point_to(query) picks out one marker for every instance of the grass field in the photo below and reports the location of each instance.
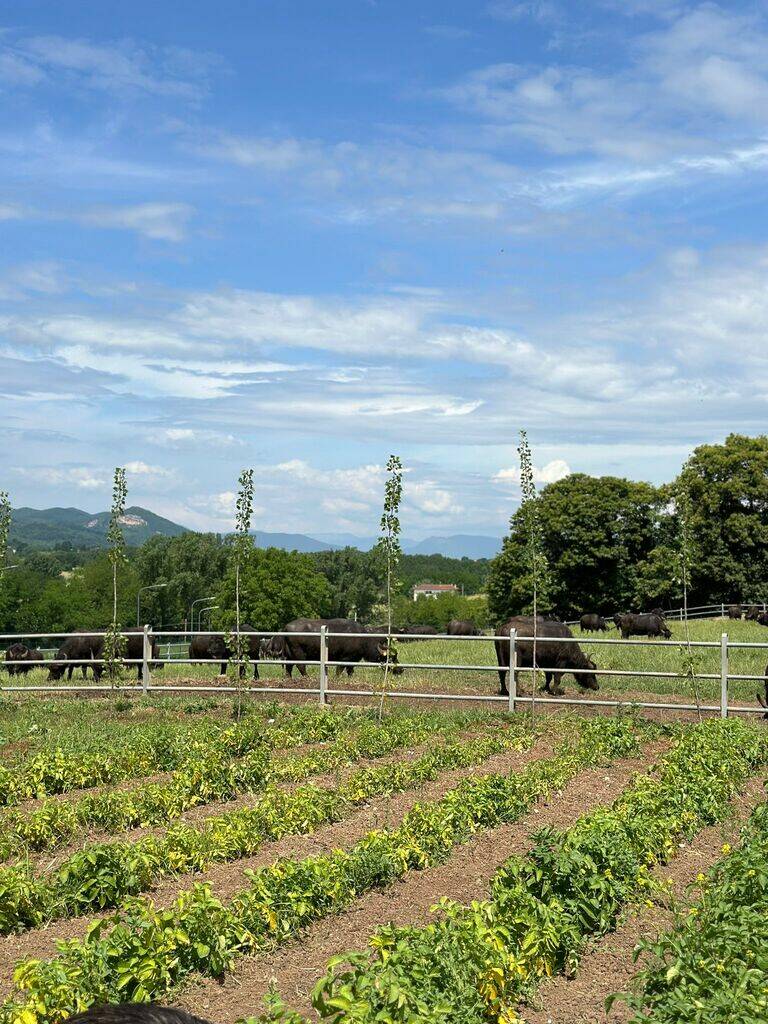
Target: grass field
(636, 656)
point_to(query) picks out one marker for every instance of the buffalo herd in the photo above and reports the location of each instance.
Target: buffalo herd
(544, 643)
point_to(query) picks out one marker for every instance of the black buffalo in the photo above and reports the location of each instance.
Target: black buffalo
(762, 619)
(554, 658)
(29, 655)
(79, 651)
(216, 648)
(134, 648)
(462, 627)
(420, 630)
(752, 613)
(734, 611)
(593, 623)
(358, 646)
(642, 624)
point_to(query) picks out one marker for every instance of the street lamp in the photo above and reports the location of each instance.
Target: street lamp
(192, 610)
(201, 613)
(152, 586)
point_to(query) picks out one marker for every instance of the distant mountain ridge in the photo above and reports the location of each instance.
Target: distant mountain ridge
(47, 527)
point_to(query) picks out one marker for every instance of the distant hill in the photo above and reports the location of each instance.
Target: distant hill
(50, 526)
(458, 545)
(44, 528)
(290, 541)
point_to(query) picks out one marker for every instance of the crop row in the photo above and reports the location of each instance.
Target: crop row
(162, 748)
(141, 952)
(475, 963)
(103, 874)
(210, 774)
(712, 967)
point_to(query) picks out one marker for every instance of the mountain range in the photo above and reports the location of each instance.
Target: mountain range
(44, 528)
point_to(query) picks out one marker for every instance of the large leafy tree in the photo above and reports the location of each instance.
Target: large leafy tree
(192, 565)
(276, 586)
(594, 532)
(728, 488)
(354, 581)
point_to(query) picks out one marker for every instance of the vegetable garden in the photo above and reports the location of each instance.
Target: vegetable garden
(431, 866)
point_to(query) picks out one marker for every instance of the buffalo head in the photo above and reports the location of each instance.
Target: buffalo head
(384, 650)
(587, 680)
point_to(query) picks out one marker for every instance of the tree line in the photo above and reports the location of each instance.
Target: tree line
(276, 585)
(611, 544)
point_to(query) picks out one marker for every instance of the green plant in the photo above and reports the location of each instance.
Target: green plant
(475, 963)
(712, 966)
(114, 641)
(143, 953)
(389, 546)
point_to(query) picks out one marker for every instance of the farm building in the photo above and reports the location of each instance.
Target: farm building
(433, 590)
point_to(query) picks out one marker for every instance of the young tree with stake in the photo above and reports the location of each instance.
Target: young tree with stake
(114, 641)
(389, 547)
(243, 543)
(537, 560)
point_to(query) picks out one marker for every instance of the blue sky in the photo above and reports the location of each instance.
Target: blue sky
(299, 236)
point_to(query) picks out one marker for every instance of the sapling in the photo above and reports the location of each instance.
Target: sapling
(114, 641)
(537, 560)
(389, 547)
(684, 509)
(242, 546)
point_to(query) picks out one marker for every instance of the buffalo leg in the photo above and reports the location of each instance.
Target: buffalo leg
(503, 682)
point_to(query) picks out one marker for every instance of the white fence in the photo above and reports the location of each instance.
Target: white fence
(324, 663)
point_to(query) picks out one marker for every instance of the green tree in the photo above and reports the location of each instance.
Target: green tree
(276, 586)
(728, 489)
(191, 565)
(657, 579)
(353, 579)
(594, 532)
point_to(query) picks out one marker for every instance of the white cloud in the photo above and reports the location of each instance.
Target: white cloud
(124, 67)
(550, 473)
(139, 468)
(82, 477)
(166, 222)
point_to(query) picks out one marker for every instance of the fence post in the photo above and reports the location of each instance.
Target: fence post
(512, 685)
(724, 675)
(323, 662)
(146, 654)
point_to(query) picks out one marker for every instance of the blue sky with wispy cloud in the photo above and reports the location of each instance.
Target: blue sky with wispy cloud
(299, 236)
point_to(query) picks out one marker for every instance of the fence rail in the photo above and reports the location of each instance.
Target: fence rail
(513, 646)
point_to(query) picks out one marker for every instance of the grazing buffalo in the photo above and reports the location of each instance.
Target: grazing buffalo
(762, 619)
(554, 658)
(462, 627)
(734, 611)
(79, 651)
(752, 613)
(643, 624)
(357, 646)
(134, 648)
(421, 630)
(20, 652)
(216, 648)
(593, 623)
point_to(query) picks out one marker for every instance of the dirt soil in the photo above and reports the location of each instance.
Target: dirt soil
(608, 965)
(296, 967)
(227, 879)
